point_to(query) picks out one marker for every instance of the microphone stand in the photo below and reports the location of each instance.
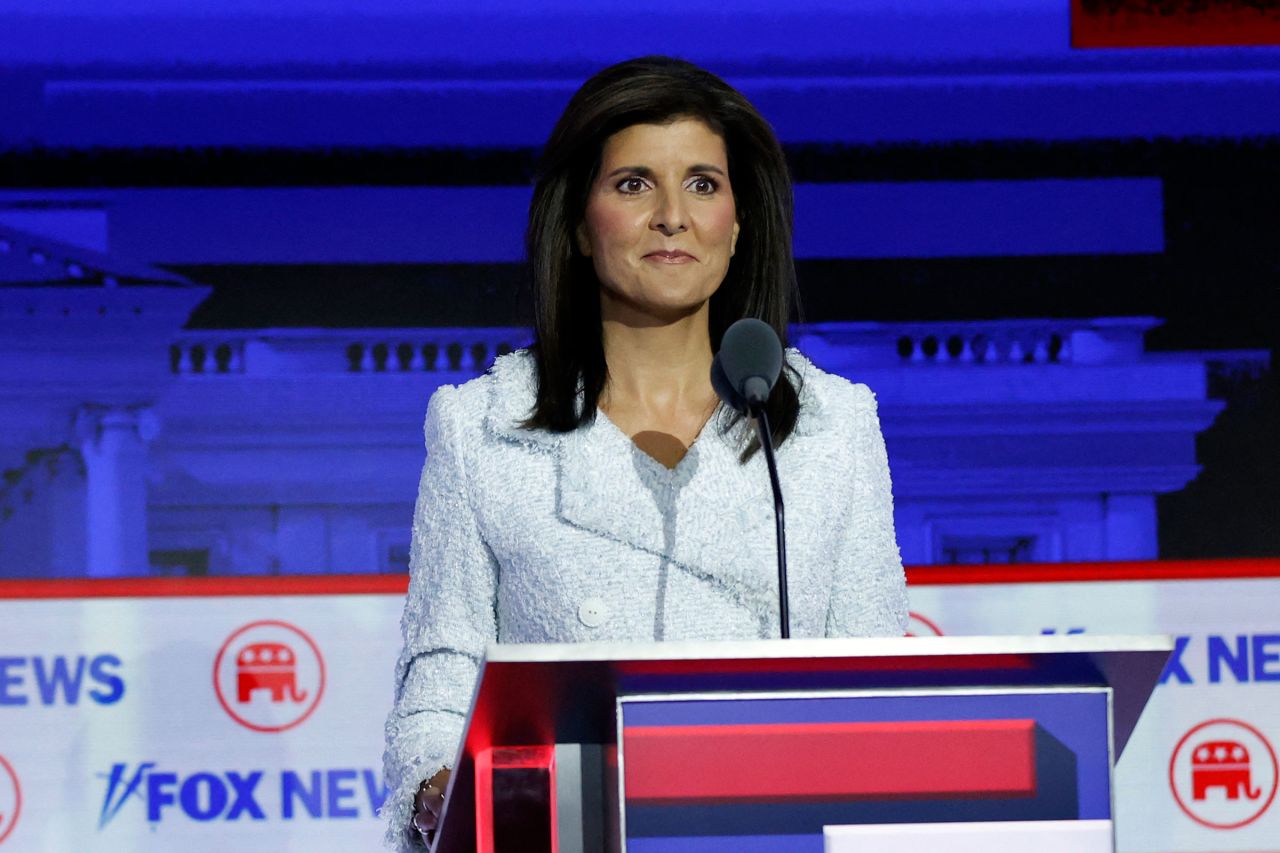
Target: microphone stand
(766, 444)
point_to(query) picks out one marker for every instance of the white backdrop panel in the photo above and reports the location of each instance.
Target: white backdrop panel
(1227, 669)
(202, 723)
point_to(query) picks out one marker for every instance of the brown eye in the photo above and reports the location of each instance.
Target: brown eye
(631, 185)
(703, 186)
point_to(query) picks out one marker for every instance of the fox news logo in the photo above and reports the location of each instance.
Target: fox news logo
(50, 680)
(239, 795)
(269, 675)
(1224, 659)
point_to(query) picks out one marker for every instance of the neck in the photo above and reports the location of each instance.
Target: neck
(658, 365)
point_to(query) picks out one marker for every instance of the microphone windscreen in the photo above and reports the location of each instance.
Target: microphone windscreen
(724, 390)
(751, 357)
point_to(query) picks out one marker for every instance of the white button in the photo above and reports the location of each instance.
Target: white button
(593, 613)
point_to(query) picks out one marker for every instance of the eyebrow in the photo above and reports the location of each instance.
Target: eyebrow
(646, 172)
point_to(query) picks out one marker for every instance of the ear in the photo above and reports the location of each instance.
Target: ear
(733, 241)
(584, 243)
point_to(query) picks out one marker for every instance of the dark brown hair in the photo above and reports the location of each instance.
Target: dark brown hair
(760, 282)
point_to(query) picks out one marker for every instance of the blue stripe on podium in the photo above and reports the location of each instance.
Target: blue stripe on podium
(728, 844)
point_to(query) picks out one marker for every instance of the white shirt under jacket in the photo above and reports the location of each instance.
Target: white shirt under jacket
(525, 536)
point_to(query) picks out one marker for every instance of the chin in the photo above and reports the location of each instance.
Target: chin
(681, 301)
(665, 304)
(657, 312)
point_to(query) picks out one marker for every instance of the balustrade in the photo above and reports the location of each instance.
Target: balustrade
(984, 345)
(205, 354)
(471, 351)
(343, 351)
(443, 355)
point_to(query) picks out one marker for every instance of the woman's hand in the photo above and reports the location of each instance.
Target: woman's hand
(427, 805)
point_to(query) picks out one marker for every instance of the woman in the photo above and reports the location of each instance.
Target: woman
(592, 488)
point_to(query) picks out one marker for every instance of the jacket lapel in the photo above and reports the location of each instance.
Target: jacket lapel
(724, 521)
(600, 488)
(709, 516)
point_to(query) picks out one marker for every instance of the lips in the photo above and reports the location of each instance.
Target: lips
(670, 257)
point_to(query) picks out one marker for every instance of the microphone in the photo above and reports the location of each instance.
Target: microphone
(743, 374)
(751, 357)
(724, 388)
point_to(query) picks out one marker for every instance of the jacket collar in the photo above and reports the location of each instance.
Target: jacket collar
(711, 515)
(513, 384)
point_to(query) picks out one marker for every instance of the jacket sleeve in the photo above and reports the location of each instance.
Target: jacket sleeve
(869, 598)
(449, 617)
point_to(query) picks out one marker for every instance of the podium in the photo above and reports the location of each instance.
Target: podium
(873, 745)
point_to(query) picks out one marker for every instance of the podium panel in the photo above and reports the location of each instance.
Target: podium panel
(705, 773)
(1042, 836)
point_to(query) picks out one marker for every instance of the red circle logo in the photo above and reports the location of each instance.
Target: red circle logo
(922, 626)
(269, 676)
(10, 799)
(1223, 774)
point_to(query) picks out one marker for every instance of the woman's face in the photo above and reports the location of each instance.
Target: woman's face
(660, 222)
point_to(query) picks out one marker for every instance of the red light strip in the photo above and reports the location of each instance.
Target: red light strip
(1137, 570)
(212, 587)
(1184, 23)
(395, 584)
(495, 760)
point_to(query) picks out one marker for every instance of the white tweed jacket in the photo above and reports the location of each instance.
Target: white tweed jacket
(531, 536)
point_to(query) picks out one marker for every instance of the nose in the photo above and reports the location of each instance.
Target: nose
(669, 215)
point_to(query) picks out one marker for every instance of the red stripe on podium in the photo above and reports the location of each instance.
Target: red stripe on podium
(829, 761)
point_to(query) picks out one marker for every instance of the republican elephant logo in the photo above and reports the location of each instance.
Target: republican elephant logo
(271, 667)
(1223, 774)
(10, 799)
(1222, 764)
(269, 675)
(919, 625)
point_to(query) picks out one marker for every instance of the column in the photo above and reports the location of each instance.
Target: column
(1130, 526)
(114, 443)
